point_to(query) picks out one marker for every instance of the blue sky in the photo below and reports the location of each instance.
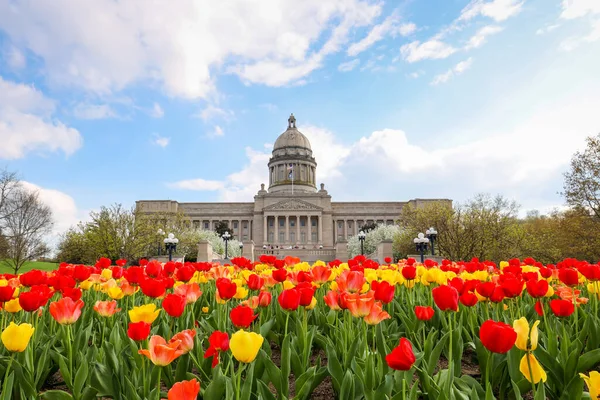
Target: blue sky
(108, 101)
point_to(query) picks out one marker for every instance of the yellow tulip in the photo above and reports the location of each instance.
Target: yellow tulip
(205, 310)
(245, 345)
(16, 337)
(312, 304)
(86, 285)
(147, 313)
(106, 273)
(288, 285)
(524, 335)
(12, 306)
(536, 369)
(593, 383)
(503, 264)
(115, 292)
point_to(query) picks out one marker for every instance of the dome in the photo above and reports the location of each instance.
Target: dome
(292, 137)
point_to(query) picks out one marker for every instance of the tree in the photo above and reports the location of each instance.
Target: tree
(368, 227)
(372, 239)
(26, 221)
(221, 227)
(582, 181)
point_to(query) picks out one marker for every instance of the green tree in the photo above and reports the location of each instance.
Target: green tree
(221, 227)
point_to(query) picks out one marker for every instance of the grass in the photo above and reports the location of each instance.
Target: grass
(45, 266)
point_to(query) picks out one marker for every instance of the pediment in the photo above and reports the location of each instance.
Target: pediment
(293, 205)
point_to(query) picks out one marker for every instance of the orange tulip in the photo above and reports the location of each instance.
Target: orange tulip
(160, 352)
(184, 390)
(252, 302)
(376, 315)
(190, 291)
(106, 308)
(186, 339)
(66, 311)
(360, 305)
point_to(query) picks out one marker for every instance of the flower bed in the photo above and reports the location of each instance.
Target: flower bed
(277, 328)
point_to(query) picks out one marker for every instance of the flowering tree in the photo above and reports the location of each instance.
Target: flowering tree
(381, 232)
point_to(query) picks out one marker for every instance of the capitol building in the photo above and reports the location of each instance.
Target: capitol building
(293, 211)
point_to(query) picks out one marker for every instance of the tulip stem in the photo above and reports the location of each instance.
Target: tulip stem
(158, 384)
(12, 355)
(450, 369)
(488, 370)
(530, 374)
(287, 320)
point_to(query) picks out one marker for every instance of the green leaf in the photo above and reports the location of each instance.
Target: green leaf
(434, 356)
(285, 364)
(265, 328)
(7, 395)
(64, 370)
(216, 389)
(264, 391)
(588, 361)
(248, 383)
(335, 368)
(80, 378)
(347, 389)
(56, 395)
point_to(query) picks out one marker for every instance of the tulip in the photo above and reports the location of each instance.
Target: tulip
(351, 281)
(185, 273)
(242, 316)
(146, 313)
(138, 331)
(409, 272)
(445, 297)
(468, 299)
(66, 311)
(537, 372)
(320, 274)
(185, 339)
(255, 282)
(115, 292)
(12, 306)
(191, 292)
(280, 275)
(289, 299)
(245, 345)
(306, 291)
(153, 287)
(384, 292)
(537, 288)
(497, 337)
(106, 308)
(360, 305)
(160, 352)
(527, 340)
(6, 293)
(264, 299)
(331, 299)
(218, 341)
(593, 383)
(226, 288)
(16, 337)
(424, 313)
(174, 305)
(184, 390)
(568, 276)
(562, 308)
(402, 357)
(376, 315)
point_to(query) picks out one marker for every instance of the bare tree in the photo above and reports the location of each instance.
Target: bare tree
(25, 223)
(582, 181)
(8, 184)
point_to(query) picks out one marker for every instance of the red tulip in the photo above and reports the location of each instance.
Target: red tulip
(280, 275)
(384, 292)
(512, 287)
(320, 274)
(134, 274)
(424, 313)
(226, 288)
(537, 288)
(73, 293)
(6, 293)
(497, 337)
(185, 273)
(568, 276)
(117, 272)
(218, 341)
(409, 272)
(402, 357)
(66, 311)
(468, 299)
(289, 299)
(539, 309)
(306, 291)
(30, 301)
(255, 282)
(185, 340)
(242, 316)
(562, 308)
(154, 269)
(153, 287)
(445, 297)
(264, 299)
(81, 273)
(138, 331)
(174, 305)
(33, 278)
(485, 289)
(331, 299)
(184, 390)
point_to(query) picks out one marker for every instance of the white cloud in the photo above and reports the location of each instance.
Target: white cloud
(498, 10)
(197, 184)
(416, 74)
(431, 49)
(212, 112)
(104, 46)
(157, 111)
(546, 29)
(348, 65)
(578, 8)
(93, 111)
(456, 70)
(573, 42)
(15, 58)
(26, 123)
(161, 141)
(217, 132)
(390, 26)
(480, 37)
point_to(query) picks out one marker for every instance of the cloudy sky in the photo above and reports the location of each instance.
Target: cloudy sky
(109, 101)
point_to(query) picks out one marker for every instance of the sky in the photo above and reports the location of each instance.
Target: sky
(107, 101)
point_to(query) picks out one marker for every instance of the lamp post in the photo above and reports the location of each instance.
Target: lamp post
(160, 234)
(431, 234)
(241, 249)
(362, 236)
(171, 245)
(421, 243)
(226, 236)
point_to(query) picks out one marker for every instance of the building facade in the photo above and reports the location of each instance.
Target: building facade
(292, 211)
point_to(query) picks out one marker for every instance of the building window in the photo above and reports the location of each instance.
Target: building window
(196, 224)
(292, 237)
(314, 222)
(235, 225)
(270, 222)
(281, 237)
(206, 225)
(302, 222)
(292, 223)
(303, 237)
(313, 237)
(281, 222)
(271, 236)
(340, 224)
(245, 237)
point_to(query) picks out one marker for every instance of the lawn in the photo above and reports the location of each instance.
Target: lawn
(46, 266)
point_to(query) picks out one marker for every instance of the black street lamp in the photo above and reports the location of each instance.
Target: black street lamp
(226, 236)
(160, 234)
(431, 234)
(241, 249)
(362, 236)
(421, 243)
(171, 245)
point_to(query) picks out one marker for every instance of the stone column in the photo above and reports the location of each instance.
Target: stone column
(355, 224)
(265, 227)
(320, 223)
(335, 231)
(345, 229)
(309, 229)
(276, 223)
(287, 228)
(297, 229)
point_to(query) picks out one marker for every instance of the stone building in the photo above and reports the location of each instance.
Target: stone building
(293, 212)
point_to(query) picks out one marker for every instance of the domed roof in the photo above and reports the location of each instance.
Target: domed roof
(292, 137)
